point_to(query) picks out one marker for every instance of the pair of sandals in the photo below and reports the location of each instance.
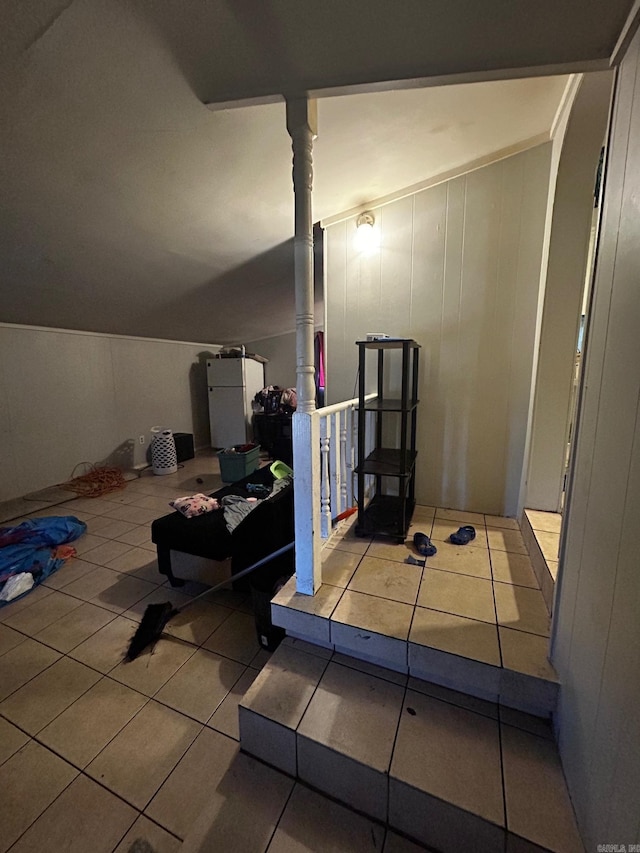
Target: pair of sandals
(426, 548)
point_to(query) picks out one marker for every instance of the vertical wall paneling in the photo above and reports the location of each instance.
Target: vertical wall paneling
(72, 397)
(596, 645)
(459, 269)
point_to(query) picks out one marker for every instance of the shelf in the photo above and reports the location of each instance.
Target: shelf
(384, 516)
(391, 343)
(390, 405)
(386, 462)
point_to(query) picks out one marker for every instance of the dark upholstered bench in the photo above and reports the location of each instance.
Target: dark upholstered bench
(268, 527)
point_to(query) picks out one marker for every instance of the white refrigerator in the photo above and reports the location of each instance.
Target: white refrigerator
(233, 383)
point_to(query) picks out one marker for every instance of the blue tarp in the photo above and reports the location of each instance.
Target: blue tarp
(30, 546)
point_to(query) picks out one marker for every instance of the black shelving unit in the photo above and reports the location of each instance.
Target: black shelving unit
(388, 514)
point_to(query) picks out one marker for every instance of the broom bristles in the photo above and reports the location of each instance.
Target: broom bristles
(150, 628)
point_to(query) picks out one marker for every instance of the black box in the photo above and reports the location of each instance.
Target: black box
(184, 446)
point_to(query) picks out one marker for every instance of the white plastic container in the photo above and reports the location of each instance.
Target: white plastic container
(164, 459)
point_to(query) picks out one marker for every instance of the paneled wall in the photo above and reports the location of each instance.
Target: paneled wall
(596, 647)
(458, 269)
(69, 397)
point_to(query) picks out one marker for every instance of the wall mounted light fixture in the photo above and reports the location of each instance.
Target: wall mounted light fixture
(367, 238)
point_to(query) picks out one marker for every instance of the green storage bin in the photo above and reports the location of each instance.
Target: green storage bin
(236, 466)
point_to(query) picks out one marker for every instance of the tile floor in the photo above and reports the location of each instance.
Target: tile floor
(95, 753)
(455, 772)
(480, 602)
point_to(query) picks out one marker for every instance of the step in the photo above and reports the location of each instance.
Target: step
(541, 534)
(450, 771)
(488, 660)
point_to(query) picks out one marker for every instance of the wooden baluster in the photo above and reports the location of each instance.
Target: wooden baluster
(343, 460)
(325, 493)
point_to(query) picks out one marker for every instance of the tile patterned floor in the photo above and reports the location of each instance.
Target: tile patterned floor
(481, 602)
(95, 753)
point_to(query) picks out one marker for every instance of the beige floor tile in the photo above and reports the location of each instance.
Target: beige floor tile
(370, 668)
(423, 513)
(466, 559)
(338, 566)
(30, 781)
(133, 514)
(200, 685)
(137, 535)
(321, 604)
(87, 726)
(462, 762)
(454, 697)
(355, 714)
(88, 542)
(551, 522)
(552, 565)
(443, 528)
(538, 804)
(460, 594)
(230, 820)
(158, 595)
(474, 518)
(506, 540)
(9, 638)
(391, 618)
(107, 647)
(236, 638)
(312, 823)
(527, 653)
(23, 663)
(84, 817)
(186, 792)
(72, 570)
(225, 719)
(138, 760)
(109, 589)
(527, 722)
(33, 619)
(14, 607)
(146, 830)
(263, 657)
(138, 561)
(111, 528)
(154, 667)
(513, 569)
(75, 627)
(352, 546)
(501, 521)
(153, 502)
(386, 550)
(522, 608)
(11, 739)
(198, 622)
(549, 544)
(283, 691)
(456, 634)
(106, 553)
(48, 694)
(387, 579)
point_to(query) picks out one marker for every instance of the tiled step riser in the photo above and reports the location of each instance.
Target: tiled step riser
(452, 772)
(513, 689)
(429, 820)
(540, 567)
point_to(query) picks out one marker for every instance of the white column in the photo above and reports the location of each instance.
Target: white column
(301, 125)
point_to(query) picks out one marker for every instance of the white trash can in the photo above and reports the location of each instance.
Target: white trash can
(164, 458)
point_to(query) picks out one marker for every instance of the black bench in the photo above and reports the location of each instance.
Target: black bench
(265, 529)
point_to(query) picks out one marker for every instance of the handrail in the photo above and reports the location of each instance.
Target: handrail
(338, 407)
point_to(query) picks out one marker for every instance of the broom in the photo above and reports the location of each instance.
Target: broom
(156, 616)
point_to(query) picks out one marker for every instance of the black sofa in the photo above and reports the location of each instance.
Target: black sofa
(264, 530)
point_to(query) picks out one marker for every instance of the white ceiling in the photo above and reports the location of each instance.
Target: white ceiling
(129, 207)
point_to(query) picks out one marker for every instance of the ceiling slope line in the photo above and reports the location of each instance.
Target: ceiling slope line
(440, 178)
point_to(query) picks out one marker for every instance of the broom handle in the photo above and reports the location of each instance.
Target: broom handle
(237, 576)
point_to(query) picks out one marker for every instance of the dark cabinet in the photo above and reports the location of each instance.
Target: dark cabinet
(387, 440)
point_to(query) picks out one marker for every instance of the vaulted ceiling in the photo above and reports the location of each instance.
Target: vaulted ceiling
(128, 206)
